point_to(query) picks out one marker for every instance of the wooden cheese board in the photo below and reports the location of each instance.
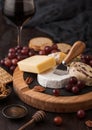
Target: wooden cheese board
(49, 102)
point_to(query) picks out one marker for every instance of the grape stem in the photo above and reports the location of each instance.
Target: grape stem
(19, 29)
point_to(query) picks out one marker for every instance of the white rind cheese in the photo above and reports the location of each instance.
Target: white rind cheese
(50, 80)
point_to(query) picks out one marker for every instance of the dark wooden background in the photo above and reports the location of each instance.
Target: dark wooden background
(70, 121)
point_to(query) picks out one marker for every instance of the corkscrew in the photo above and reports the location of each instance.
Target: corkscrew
(37, 117)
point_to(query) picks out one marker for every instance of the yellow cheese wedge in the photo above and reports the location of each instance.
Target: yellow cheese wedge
(37, 64)
(59, 56)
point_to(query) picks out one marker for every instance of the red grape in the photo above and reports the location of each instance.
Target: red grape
(19, 57)
(90, 63)
(12, 68)
(82, 57)
(81, 113)
(18, 47)
(54, 50)
(56, 92)
(75, 89)
(87, 59)
(42, 52)
(7, 62)
(24, 51)
(14, 61)
(80, 84)
(73, 80)
(31, 53)
(11, 55)
(58, 120)
(48, 49)
(12, 50)
(68, 87)
(18, 51)
(2, 62)
(54, 46)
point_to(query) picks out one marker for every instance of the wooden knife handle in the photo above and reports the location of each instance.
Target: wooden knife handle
(77, 49)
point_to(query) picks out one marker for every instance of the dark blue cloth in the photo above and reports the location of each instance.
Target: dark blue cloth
(65, 20)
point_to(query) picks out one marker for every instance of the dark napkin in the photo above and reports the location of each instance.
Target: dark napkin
(64, 20)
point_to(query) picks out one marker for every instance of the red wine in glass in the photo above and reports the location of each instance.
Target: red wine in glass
(18, 12)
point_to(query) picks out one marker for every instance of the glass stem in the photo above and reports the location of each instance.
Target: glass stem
(19, 28)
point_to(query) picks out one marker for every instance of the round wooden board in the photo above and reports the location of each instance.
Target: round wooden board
(49, 102)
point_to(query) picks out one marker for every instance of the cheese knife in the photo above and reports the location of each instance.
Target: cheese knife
(77, 49)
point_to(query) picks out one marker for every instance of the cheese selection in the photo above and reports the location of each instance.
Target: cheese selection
(44, 66)
(37, 64)
(50, 80)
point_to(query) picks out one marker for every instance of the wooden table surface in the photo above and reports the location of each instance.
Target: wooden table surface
(70, 120)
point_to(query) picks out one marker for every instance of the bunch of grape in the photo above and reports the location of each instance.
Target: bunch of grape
(21, 52)
(49, 49)
(74, 85)
(16, 54)
(87, 59)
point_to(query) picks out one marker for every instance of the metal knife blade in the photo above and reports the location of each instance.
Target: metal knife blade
(77, 48)
(61, 69)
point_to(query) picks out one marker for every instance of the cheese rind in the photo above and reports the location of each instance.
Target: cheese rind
(37, 64)
(50, 80)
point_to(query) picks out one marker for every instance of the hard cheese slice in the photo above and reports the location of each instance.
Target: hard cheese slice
(59, 56)
(37, 64)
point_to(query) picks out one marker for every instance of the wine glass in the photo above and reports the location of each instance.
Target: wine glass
(18, 12)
